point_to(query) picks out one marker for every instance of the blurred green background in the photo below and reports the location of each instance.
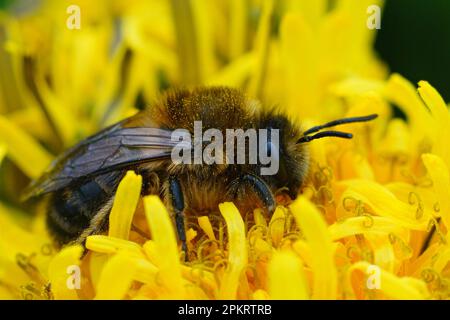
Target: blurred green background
(414, 41)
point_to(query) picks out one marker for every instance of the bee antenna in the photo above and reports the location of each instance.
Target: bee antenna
(339, 122)
(337, 134)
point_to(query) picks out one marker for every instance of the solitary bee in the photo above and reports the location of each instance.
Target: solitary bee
(81, 183)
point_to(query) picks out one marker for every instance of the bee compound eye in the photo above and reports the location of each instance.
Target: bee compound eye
(273, 150)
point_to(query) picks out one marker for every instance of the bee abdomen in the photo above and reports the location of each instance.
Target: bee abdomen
(71, 209)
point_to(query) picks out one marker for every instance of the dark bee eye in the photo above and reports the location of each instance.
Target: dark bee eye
(269, 148)
(270, 145)
(274, 146)
(273, 150)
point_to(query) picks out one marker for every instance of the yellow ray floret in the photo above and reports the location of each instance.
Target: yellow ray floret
(237, 251)
(125, 202)
(316, 233)
(286, 276)
(165, 245)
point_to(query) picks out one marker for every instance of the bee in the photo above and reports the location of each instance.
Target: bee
(81, 183)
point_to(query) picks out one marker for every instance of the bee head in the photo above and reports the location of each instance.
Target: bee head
(293, 158)
(293, 155)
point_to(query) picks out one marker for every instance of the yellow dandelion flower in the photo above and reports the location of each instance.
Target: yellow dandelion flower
(372, 219)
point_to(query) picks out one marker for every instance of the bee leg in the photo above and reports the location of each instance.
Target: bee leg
(177, 201)
(99, 223)
(261, 189)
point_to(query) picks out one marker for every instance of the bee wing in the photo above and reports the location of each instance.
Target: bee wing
(111, 149)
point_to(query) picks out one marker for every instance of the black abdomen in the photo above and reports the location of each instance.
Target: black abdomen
(72, 209)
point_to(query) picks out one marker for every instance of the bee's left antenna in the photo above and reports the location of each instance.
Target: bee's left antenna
(339, 122)
(337, 134)
(306, 135)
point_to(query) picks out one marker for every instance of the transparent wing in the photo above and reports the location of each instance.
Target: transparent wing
(111, 149)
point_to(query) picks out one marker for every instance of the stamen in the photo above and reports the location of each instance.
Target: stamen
(414, 198)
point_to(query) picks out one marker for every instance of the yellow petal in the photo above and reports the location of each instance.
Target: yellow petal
(260, 295)
(145, 272)
(259, 218)
(393, 286)
(314, 228)
(125, 202)
(237, 251)
(311, 10)
(383, 251)
(403, 93)
(353, 38)
(235, 73)
(116, 277)
(261, 247)
(276, 226)
(434, 101)
(105, 244)
(26, 153)
(65, 122)
(287, 280)
(441, 117)
(262, 48)
(238, 28)
(354, 86)
(206, 226)
(188, 59)
(396, 142)
(414, 194)
(361, 225)
(385, 204)
(201, 10)
(190, 235)
(201, 277)
(63, 272)
(14, 239)
(96, 263)
(304, 251)
(442, 259)
(164, 239)
(299, 65)
(439, 173)
(2, 152)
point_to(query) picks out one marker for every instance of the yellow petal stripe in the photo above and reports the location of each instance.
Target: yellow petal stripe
(104, 244)
(439, 173)
(441, 117)
(276, 226)
(201, 11)
(299, 64)
(393, 286)
(237, 250)
(315, 231)
(26, 153)
(165, 242)
(402, 92)
(384, 203)
(206, 226)
(64, 273)
(111, 286)
(360, 225)
(238, 27)
(262, 48)
(286, 277)
(65, 122)
(125, 202)
(3, 151)
(235, 73)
